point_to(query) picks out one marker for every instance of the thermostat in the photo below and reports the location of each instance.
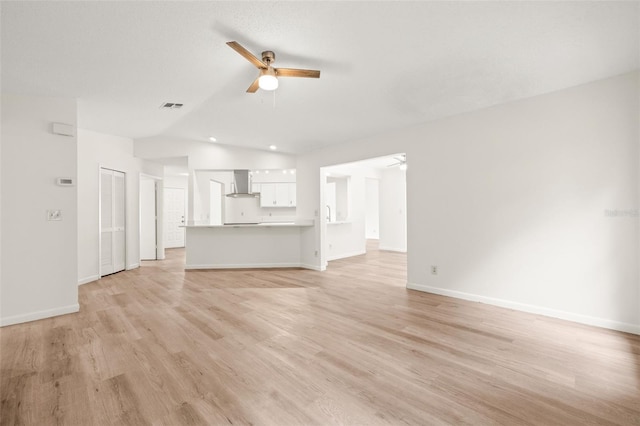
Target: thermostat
(65, 181)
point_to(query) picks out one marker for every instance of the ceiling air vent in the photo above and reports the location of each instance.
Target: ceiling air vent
(170, 105)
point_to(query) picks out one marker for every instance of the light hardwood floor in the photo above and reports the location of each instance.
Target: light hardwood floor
(158, 345)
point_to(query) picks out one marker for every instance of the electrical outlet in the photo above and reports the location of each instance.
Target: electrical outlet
(434, 270)
(54, 214)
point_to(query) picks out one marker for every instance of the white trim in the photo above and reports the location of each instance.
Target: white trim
(132, 266)
(245, 266)
(312, 267)
(33, 316)
(569, 316)
(396, 249)
(345, 255)
(89, 279)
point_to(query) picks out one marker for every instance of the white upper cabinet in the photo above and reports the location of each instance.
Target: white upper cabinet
(277, 195)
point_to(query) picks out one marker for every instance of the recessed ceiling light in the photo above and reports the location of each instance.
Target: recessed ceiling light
(293, 171)
(273, 147)
(212, 139)
(284, 172)
(266, 171)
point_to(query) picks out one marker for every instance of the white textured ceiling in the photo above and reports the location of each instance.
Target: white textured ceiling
(384, 65)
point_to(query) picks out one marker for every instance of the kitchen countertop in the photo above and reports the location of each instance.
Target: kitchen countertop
(253, 225)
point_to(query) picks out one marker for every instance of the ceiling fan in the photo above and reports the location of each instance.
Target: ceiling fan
(268, 77)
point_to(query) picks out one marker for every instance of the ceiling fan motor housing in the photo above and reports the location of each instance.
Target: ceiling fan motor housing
(268, 57)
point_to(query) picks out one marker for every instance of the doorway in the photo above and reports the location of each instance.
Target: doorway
(112, 222)
(174, 213)
(369, 201)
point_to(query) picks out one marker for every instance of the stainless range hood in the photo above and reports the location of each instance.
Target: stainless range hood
(241, 185)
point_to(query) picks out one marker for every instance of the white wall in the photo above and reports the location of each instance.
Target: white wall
(509, 202)
(97, 150)
(372, 209)
(172, 181)
(393, 210)
(39, 257)
(208, 156)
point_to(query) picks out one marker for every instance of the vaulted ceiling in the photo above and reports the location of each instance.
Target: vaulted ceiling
(385, 65)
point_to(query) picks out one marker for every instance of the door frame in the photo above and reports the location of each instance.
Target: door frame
(159, 214)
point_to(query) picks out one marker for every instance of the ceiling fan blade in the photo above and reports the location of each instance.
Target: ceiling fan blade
(254, 86)
(292, 72)
(248, 55)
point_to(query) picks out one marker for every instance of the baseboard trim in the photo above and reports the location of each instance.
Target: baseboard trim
(399, 250)
(246, 266)
(345, 255)
(34, 316)
(88, 279)
(133, 266)
(539, 310)
(312, 267)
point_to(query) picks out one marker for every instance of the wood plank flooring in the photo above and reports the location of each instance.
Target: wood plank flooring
(162, 346)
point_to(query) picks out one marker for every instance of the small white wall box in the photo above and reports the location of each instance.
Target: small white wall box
(54, 215)
(65, 181)
(63, 129)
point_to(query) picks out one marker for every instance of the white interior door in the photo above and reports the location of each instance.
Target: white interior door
(215, 202)
(112, 221)
(148, 217)
(174, 211)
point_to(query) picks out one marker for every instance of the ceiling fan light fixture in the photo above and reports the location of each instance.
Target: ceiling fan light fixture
(268, 79)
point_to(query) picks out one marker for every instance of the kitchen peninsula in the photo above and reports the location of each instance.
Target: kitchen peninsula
(259, 245)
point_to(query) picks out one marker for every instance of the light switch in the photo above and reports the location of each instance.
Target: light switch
(54, 214)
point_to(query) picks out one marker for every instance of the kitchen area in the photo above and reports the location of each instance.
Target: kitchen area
(243, 219)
